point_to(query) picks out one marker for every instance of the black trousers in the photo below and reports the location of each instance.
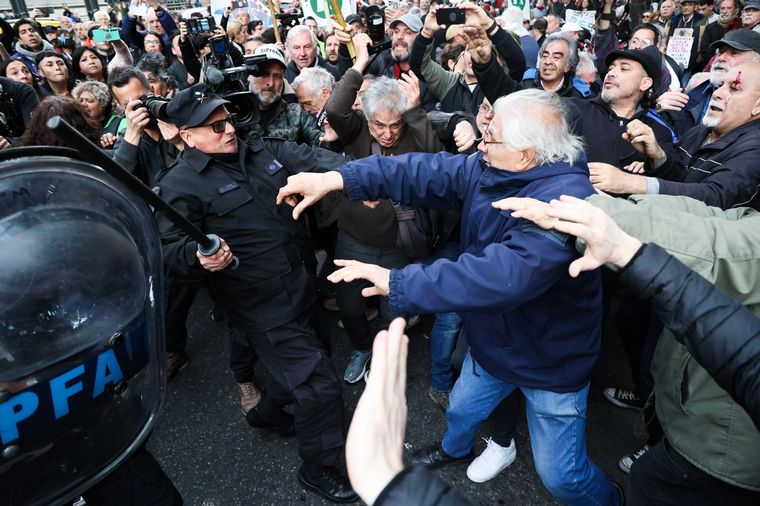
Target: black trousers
(139, 481)
(663, 477)
(303, 374)
(353, 305)
(178, 297)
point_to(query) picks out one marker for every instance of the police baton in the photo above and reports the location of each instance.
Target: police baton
(207, 244)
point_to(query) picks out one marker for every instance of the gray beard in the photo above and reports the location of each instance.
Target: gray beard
(400, 56)
(608, 96)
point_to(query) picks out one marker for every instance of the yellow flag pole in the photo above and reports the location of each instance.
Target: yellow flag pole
(276, 28)
(342, 22)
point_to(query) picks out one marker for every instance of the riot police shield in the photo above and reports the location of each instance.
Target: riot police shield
(81, 330)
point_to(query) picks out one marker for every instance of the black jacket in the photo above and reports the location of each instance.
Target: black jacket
(496, 83)
(292, 71)
(17, 101)
(721, 334)
(723, 173)
(235, 199)
(602, 132)
(383, 64)
(418, 485)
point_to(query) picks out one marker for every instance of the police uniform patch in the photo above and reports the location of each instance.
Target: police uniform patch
(273, 167)
(227, 188)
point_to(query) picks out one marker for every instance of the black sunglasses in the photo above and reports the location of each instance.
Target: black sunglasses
(220, 126)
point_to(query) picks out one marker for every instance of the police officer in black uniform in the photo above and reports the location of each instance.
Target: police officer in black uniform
(227, 186)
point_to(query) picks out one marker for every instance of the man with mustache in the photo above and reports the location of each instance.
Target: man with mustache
(719, 157)
(751, 16)
(393, 62)
(684, 110)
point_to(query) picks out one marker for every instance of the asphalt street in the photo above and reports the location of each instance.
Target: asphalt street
(214, 458)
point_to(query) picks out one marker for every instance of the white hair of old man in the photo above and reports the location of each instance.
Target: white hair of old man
(384, 94)
(315, 79)
(585, 63)
(536, 119)
(296, 31)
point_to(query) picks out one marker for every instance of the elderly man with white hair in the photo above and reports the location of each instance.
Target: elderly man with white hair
(313, 87)
(511, 284)
(303, 48)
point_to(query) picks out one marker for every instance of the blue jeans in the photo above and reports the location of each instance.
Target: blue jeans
(556, 423)
(443, 335)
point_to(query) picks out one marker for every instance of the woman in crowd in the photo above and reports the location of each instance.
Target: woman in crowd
(17, 70)
(96, 100)
(87, 65)
(38, 134)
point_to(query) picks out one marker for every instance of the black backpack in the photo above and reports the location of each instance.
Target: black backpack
(417, 231)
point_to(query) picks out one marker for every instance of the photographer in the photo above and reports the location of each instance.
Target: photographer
(148, 145)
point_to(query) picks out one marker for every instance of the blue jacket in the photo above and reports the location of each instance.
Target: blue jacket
(527, 321)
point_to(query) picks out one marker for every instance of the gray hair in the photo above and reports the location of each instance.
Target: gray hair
(585, 63)
(315, 79)
(536, 119)
(384, 94)
(99, 90)
(297, 30)
(572, 48)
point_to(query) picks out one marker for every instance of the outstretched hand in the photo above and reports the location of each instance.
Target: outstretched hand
(351, 270)
(530, 209)
(605, 242)
(311, 187)
(376, 437)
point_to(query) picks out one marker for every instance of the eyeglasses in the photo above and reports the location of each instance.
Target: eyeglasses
(485, 109)
(220, 126)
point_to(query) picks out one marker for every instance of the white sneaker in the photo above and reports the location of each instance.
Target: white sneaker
(626, 462)
(492, 461)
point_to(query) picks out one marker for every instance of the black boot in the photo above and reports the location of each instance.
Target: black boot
(327, 482)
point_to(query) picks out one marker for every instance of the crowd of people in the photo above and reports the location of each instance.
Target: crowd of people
(441, 170)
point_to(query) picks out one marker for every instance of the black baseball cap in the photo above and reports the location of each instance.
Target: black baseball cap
(353, 18)
(192, 106)
(742, 40)
(649, 58)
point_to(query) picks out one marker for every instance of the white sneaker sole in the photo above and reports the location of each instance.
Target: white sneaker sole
(483, 479)
(619, 404)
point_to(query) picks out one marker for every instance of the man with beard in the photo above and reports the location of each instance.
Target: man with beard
(30, 43)
(278, 118)
(332, 45)
(684, 110)
(303, 48)
(720, 156)
(393, 62)
(628, 90)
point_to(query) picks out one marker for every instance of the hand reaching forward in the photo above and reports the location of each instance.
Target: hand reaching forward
(311, 187)
(352, 270)
(376, 437)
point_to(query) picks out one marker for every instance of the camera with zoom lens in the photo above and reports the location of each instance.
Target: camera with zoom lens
(156, 107)
(230, 81)
(376, 30)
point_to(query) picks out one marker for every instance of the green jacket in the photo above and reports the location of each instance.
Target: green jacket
(291, 123)
(699, 418)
